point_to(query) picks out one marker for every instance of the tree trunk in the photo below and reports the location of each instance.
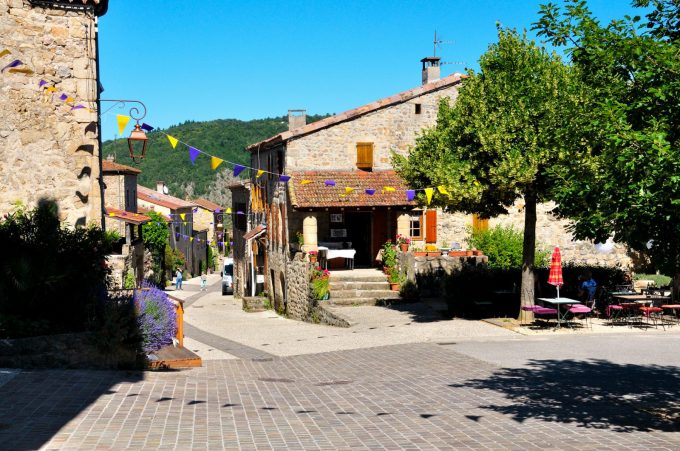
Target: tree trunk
(528, 256)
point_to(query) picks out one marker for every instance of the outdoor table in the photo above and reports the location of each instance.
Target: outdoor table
(328, 254)
(642, 298)
(558, 302)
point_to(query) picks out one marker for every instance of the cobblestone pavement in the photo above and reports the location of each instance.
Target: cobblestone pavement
(408, 396)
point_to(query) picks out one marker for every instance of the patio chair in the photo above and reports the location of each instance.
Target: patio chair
(541, 312)
(584, 311)
(654, 316)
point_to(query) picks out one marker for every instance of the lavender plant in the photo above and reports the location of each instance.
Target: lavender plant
(155, 317)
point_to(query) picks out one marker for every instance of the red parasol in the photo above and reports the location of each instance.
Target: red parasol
(555, 277)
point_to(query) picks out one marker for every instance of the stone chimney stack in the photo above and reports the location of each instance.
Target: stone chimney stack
(160, 187)
(296, 118)
(431, 69)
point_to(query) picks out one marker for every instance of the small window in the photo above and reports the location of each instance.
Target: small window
(419, 108)
(416, 226)
(365, 156)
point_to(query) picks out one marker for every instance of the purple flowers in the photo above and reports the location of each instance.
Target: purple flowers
(156, 317)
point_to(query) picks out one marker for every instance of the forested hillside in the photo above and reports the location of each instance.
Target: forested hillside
(224, 138)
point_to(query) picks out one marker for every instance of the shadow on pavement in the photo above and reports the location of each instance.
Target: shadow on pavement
(419, 312)
(38, 404)
(593, 394)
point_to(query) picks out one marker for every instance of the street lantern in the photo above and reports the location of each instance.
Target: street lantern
(137, 143)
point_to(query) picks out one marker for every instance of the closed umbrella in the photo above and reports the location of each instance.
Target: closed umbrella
(555, 277)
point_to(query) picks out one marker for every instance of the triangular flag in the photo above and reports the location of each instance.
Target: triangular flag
(284, 178)
(51, 89)
(42, 82)
(370, 191)
(238, 169)
(428, 194)
(4, 52)
(388, 189)
(69, 100)
(442, 190)
(348, 189)
(228, 210)
(193, 154)
(14, 63)
(259, 173)
(122, 122)
(77, 107)
(183, 216)
(173, 141)
(329, 183)
(146, 127)
(410, 194)
(215, 162)
(22, 70)
(191, 239)
(63, 97)
(305, 182)
(185, 223)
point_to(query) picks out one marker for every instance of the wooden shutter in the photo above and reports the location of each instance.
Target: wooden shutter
(478, 224)
(365, 156)
(431, 226)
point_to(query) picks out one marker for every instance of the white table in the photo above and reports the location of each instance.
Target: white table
(327, 254)
(558, 302)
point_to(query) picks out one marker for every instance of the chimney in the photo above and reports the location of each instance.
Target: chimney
(111, 157)
(160, 188)
(296, 118)
(431, 68)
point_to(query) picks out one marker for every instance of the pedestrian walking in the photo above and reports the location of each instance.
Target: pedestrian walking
(204, 282)
(178, 279)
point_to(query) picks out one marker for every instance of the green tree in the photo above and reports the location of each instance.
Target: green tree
(155, 239)
(502, 139)
(631, 189)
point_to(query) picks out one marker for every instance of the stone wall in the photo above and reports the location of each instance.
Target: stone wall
(47, 150)
(300, 303)
(550, 232)
(390, 129)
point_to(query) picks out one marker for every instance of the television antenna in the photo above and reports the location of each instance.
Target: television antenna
(438, 42)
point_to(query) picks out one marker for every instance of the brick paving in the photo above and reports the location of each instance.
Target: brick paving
(409, 396)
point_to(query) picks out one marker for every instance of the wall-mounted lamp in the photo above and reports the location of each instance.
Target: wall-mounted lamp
(138, 141)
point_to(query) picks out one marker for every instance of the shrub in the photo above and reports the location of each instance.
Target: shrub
(156, 317)
(320, 283)
(659, 279)
(130, 280)
(212, 261)
(503, 246)
(389, 256)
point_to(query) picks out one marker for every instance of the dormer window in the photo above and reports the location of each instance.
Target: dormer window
(365, 156)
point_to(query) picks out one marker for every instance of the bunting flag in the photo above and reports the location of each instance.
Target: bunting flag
(122, 121)
(428, 194)
(259, 173)
(370, 191)
(69, 100)
(348, 189)
(410, 194)
(183, 216)
(63, 97)
(173, 141)
(284, 178)
(228, 210)
(388, 189)
(193, 154)
(147, 127)
(238, 169)
(215, 162)
(77, 107)
(442, 190)
(42, 83)
(192, 239)
(51, 89)
(22, 70)
(305, 182)
(4, 52)
(239, 212)
(329, 183)
(14, 63)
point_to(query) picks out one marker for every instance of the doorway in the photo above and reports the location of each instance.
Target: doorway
(359, 233)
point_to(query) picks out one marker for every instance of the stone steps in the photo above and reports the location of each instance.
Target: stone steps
(358, 285)
(341, 294)
(351, 288)
(345, 278)
(344, 302)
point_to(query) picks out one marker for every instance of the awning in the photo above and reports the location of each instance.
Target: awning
(254, 233)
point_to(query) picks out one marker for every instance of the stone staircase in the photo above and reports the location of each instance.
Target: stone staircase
(360, 287)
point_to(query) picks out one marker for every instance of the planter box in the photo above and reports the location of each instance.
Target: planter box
(394, 286)
(434, 254)
(419, 254)
(456, 253)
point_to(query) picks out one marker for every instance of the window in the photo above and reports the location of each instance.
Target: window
(419, 108)
(365, 156)
(416, 226)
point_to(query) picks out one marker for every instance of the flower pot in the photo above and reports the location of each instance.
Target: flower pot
(312, 258)
(434, 254)
(468, 253)
(477, 253)
(420, 254)
(403, 247)
(394, 286)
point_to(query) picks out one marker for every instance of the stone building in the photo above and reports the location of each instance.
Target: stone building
(48, 150)
(210, 217)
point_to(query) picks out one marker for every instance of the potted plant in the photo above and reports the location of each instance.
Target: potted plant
(432, 250)
(403, 242)
(321, 283)
(419, 252)
(389, 256)
(299, 241)
(394, 279)
(313, 256)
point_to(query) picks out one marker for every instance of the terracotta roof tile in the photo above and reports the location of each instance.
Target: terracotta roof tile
(316, 194)
(205, 203)
(359, 111)
(147, 210)
(127, 216)
(164, 200)
(116, 168)
(254, 233)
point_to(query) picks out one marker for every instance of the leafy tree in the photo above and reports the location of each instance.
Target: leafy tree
(156, 237)
(502, 139)
(503, 246)
(631, 189)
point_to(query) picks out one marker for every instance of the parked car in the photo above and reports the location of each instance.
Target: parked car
(228, 276)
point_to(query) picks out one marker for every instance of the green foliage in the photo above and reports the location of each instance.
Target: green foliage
(320, 283)
(130, 280)
(631, 188)
(156, 235)
(659, 279)
(212, 260)
(174, 258)
(389, 256)
(503, 246)
(202, 267)
(50, 274)
(393, 276)
(224, 138)
(300, 238)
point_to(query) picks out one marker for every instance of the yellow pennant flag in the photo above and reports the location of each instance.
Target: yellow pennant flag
(305, 182)
(173, 141)
(228, 210)
(51, 89)
(388, 189)
(122, 122)
(259, 173)
(71, 100)
(428, 194)
(112, 214)
(348, 189)
(442, 190)
(21, 70)
(185, 223)
(215, 162)
(183, 216)
(191, 239)
(4, 52)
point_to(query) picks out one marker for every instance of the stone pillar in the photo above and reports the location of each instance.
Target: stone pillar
(310, 233)
(404, 224)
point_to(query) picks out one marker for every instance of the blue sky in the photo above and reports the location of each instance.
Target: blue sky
(218, 59)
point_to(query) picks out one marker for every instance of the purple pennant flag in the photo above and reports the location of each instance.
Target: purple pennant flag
(185, 237)
(195, 210)
(42, 83)
(329, 183)
(177, 236)
(284, 178)
(238, 169)
(370, 191)
(240, 212)
(14, 63)
(63, 97)
(193, 154)
(217, 210)
(77, 107)
(146, 127)
(410, 194)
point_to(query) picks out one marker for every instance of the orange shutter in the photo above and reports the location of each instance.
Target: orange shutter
(431, 226)
(365, 155)
(478, 224)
